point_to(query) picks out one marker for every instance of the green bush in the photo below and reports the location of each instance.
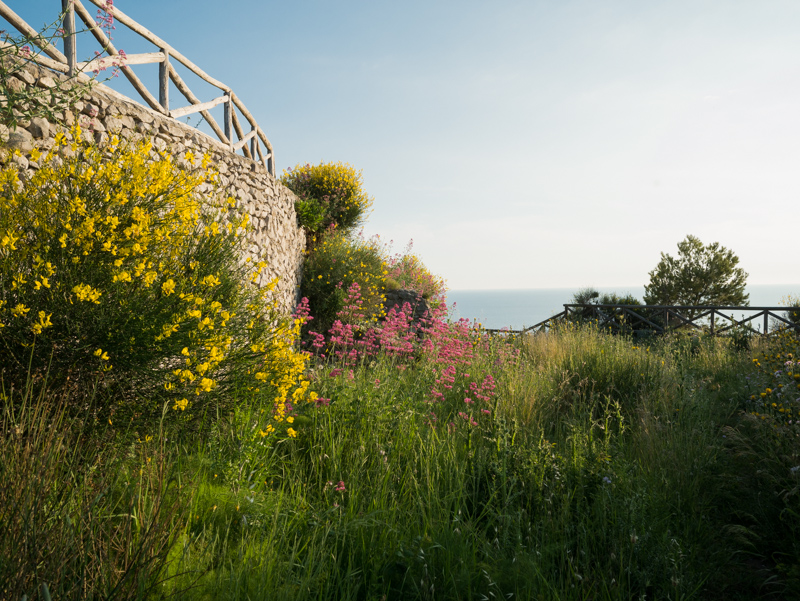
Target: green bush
(406, 270)
(330, 195)
(114, 272)
(332, 268)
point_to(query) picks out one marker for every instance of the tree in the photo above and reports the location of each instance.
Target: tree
(700, 275)
(591, 296)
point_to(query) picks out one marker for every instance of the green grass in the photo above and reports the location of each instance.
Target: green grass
(607, 469)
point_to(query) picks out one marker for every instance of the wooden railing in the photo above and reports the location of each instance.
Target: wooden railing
(67, 63)
(660, 319)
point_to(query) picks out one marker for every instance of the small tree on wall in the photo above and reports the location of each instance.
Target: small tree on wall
(699, 275)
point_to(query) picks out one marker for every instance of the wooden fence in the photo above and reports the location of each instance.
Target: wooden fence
(67, 63)
(659, 319)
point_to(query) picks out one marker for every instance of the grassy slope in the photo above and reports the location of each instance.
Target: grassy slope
(605, 470)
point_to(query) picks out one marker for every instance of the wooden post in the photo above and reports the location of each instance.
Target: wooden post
(766, 322)
(712, 322)
(163, 81)
(229, 120)
(253, 143)
(70, 48)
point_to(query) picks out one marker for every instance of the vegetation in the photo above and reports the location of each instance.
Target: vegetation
(391, 460)
(700, 275)
(570, 465)
(592, 296)
(21, 103)
(407, 271)
(793, 314)
(329, 195)
(114, 274)
(333, 267)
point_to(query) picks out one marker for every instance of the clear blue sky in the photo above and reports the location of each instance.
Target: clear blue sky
(523, 144)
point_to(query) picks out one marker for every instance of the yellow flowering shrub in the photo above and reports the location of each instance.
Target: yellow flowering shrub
(329, 194)
(113, 270)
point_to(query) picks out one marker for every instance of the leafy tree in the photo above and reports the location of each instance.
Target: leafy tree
(700, 275)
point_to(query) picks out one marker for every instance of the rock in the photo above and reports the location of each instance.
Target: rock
(395, 299)
(91, 110)
(26, 76)
(15, 85)
(20, 139)
(46, 82)
(21, 160)
(39, 128)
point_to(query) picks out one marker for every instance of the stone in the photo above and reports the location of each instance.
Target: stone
(21, 161)
(39, 128)
(26, 76)
(16, 85)
(46, 82)
(395, 299)
(20, 139)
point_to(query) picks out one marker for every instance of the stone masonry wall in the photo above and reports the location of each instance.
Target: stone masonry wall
(275, 238)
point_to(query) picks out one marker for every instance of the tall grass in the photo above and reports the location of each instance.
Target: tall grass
(83, 515)
(604, 469)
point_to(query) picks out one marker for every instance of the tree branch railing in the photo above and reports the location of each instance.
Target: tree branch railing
(661, 319)
(249, 143)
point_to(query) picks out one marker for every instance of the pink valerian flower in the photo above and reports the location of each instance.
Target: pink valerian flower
(340, 487)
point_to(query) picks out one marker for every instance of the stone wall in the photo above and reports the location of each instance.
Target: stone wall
(275, 238)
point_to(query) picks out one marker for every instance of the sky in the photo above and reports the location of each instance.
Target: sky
(520, 144)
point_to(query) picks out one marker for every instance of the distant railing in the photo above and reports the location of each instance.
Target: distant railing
(660, 319)
(67, 63)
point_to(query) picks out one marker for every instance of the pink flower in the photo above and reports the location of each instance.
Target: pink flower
(340, 487)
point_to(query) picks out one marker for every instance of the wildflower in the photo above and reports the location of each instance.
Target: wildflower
(168, 287)
(340, 487)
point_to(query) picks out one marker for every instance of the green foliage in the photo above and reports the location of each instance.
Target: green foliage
(793, 313)
(332, 268)
(406, 270)
(591, 296)
(114, 273)
(605, 470)
(87, 519)
(330, 195)
(700, 275)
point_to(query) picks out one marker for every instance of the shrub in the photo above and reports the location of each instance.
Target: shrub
(330, 194)
(113, 271)
(333, 267)
(793, 312)
(406, 270)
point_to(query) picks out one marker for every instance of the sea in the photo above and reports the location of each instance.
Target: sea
(517, 309)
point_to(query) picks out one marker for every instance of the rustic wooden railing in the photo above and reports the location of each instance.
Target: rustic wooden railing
(67, 63)
(660, 319)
